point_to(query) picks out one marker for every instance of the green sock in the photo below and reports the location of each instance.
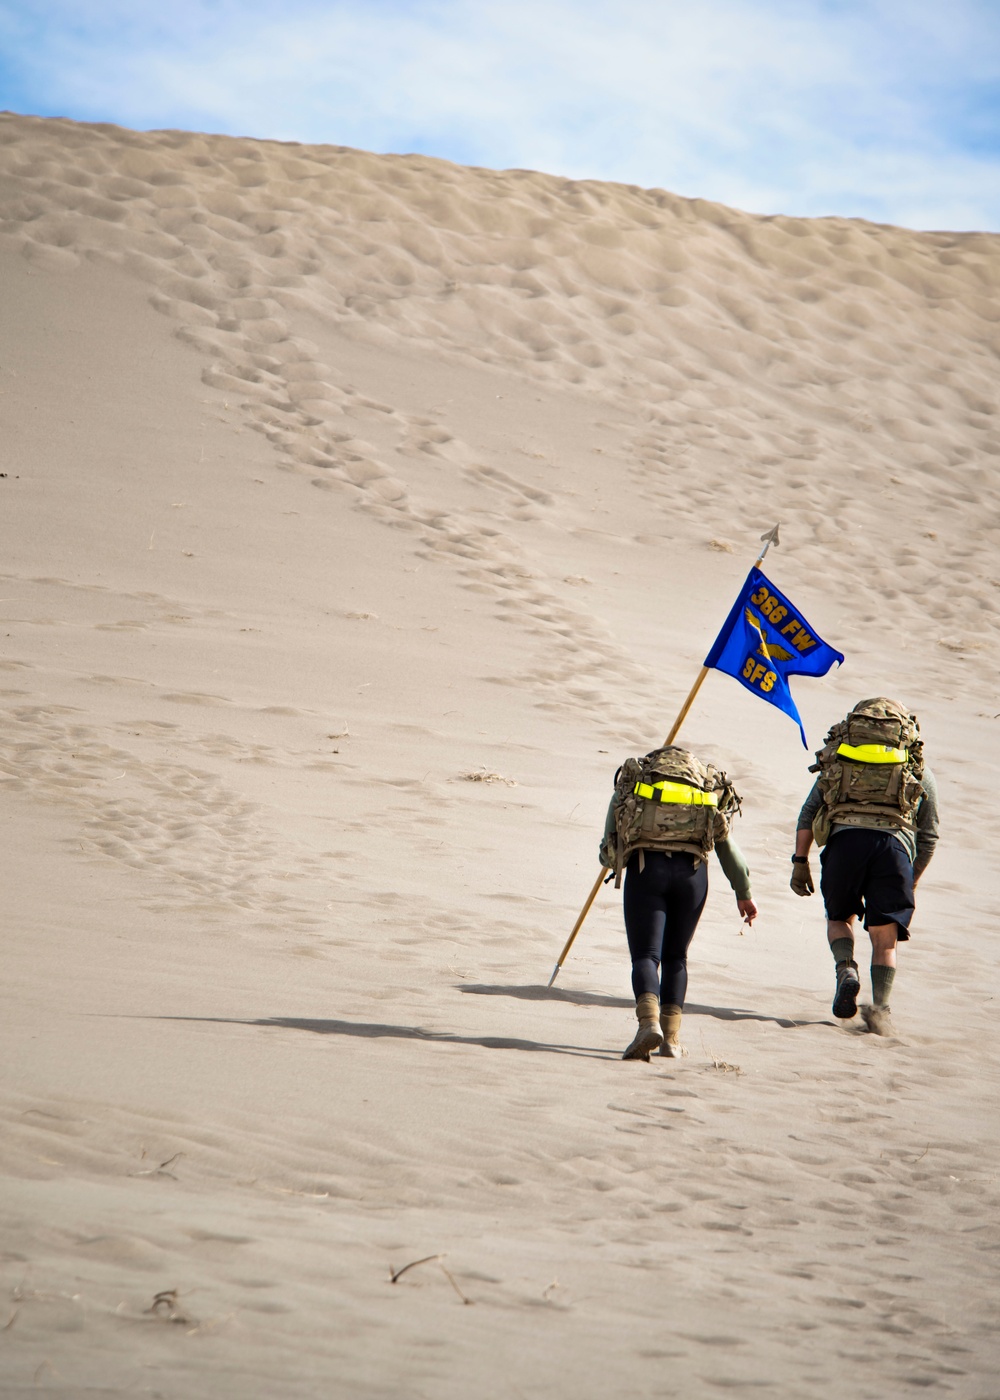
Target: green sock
(842, 950)
(882, 984)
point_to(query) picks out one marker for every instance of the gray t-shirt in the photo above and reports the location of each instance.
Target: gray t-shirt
(919, 845)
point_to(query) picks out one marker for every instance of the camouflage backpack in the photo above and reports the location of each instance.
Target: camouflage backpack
(669, 801)
(870, 770)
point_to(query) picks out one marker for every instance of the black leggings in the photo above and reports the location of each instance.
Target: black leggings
(663, 904)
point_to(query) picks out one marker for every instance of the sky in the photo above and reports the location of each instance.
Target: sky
(880, 109)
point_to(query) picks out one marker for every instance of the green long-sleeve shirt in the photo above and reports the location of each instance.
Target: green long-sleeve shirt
(731, 858)
(919, 844)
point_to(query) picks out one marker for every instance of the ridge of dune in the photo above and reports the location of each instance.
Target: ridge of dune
(301, 788)
(766, 348)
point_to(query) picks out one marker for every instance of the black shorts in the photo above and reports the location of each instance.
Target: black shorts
(868, 872)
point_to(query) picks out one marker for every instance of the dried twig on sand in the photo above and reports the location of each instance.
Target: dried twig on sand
(165, 1309)
(716, 1061)
(396, 1274)
(161, 1170)
(451, 1279)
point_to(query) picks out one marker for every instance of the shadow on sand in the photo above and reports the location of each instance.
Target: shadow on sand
(374, 1030)
(532, 992)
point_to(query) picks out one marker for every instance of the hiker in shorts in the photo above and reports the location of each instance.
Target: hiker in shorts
(668, 813)
(874, 811)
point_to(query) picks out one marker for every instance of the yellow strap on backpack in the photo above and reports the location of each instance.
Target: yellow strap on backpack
(676, 792)
(873, 753)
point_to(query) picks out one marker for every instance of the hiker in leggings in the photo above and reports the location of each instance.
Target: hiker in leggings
(665, 891)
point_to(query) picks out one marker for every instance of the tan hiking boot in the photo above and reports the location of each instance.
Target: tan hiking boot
(648, 1037)
(670, 1025)
(878, 1020)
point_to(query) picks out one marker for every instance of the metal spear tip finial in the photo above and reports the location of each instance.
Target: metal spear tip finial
(767, 539)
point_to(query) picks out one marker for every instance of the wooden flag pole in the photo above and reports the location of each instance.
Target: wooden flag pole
(685, 707)
(771, 537)
(579, 924)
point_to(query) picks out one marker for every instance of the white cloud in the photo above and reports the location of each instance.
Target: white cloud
(799, 106)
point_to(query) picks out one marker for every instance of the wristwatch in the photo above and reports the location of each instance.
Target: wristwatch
(800, 860)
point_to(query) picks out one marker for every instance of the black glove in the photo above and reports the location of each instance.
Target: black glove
(802, 880)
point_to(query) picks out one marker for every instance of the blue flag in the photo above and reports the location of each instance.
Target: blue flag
(764, 640)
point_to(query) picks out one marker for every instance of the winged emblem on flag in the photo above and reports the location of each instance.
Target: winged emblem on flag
(769, 650)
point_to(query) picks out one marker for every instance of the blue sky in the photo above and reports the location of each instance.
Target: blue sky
(885, 109)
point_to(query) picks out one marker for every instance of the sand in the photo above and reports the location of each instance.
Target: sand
(360, 514)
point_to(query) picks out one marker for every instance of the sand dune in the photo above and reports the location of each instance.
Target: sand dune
(360, 514)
